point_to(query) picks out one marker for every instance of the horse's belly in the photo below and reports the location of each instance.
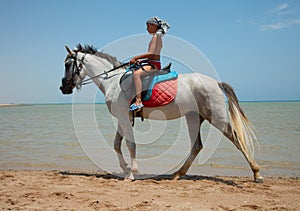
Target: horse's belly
(171, 111)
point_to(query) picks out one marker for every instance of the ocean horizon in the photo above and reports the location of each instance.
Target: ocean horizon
(68, 103)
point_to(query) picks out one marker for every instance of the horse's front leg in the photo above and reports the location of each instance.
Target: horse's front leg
(132, 150)
(127, 132)
(117, 146)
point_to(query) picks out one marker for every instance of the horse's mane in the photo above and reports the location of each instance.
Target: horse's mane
(92, 50)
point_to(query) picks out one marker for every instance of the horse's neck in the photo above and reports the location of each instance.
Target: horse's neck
(105, 82)
(110, 83)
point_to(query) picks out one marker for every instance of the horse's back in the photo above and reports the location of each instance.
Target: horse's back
(207, 95)
(196, 93)
(200, 86)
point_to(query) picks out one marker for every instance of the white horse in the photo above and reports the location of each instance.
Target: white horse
(198, 98)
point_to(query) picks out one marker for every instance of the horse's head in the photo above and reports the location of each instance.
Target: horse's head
(73, 71)
(83, 61)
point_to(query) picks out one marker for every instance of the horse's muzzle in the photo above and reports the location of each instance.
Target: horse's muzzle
(66, 91)
(66, 88)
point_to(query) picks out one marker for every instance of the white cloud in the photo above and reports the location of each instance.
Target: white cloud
(279, 18)
(280, 25)
(280, 8)
(273, 26)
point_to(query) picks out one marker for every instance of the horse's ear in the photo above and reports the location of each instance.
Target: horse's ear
(69, 50)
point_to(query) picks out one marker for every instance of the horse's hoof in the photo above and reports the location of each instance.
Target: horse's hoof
(129, 177)
(259, 180)
(175, 177)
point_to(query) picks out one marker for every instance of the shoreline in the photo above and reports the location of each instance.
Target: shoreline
(103, 103)
(38, 189)
(8, 105)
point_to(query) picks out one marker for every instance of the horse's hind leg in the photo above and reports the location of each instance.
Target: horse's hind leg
(194, 121)
(254, 167)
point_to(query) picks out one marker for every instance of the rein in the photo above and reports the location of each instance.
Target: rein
(88, 81)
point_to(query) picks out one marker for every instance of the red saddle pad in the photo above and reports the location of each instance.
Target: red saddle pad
(162, 94)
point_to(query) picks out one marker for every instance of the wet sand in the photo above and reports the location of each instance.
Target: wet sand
(41, 190)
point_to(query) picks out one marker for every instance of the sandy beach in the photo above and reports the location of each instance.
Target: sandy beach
(40, 190)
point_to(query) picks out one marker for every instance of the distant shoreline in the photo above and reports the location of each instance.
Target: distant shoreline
(9, 105)
(100, 103)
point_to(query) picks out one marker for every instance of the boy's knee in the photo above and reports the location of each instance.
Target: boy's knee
(136, 74)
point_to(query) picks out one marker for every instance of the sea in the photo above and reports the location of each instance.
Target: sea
(79, 137)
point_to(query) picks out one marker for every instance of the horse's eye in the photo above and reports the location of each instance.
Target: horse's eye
(67, 65)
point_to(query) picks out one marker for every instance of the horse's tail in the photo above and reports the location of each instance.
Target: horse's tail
(242, 129)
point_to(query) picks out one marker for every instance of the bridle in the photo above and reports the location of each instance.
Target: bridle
(77, 69)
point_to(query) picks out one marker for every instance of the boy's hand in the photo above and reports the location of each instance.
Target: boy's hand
(133, 61)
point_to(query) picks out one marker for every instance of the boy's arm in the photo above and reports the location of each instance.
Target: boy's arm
(150, 53)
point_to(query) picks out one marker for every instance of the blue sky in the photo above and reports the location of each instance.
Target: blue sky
(253, 45)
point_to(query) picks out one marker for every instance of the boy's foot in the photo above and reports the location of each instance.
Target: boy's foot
(135, 107)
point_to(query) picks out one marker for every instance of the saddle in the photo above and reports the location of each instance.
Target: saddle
(159, 86)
